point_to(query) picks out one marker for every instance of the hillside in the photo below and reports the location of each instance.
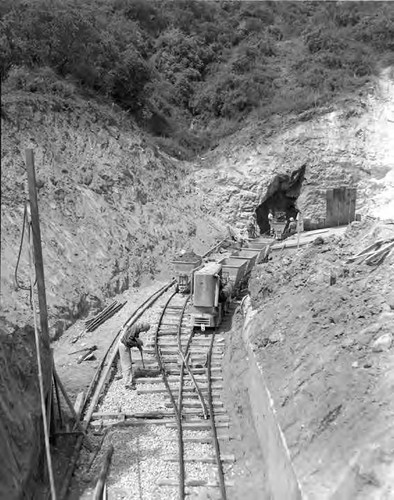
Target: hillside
(110, 204)
(192, 72)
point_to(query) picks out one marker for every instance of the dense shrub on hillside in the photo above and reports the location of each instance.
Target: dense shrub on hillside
(76, 43)
(172, 63)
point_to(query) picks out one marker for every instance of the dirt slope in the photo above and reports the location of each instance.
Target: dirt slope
(332, 387)
(112, 206)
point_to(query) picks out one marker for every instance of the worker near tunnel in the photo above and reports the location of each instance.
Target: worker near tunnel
(270, 222)
(292, 227)
(130, 338)
(251, 228)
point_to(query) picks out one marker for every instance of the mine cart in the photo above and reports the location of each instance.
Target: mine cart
(278, 228)
(235, 269)
(251, 255)
(207, 308)
(184, 267)
(257, 245)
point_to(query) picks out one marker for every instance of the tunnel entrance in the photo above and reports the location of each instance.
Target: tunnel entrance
(281, 198)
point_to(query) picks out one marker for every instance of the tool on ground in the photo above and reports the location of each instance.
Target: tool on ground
(139, 347)
(83, 357)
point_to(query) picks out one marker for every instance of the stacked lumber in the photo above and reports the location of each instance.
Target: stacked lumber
(374, 254)
(100, 318)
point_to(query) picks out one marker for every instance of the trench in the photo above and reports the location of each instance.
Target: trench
(281, 198)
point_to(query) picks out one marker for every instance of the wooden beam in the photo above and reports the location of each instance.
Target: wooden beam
(39, 265)
(98, 491)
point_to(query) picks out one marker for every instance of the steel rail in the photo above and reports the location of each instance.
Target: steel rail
(91, 392)
(185, 364)
(173, 402)
(212, 420)
(182, 368)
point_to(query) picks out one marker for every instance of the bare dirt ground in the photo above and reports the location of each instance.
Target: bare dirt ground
(331, 382)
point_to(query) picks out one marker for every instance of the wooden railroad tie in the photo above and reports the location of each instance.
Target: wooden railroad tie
(193, 483)
(132, 422)
(196, 426)
(195, 458)
(173, 378)
(192, 404)
(156, 390)
(198, 439)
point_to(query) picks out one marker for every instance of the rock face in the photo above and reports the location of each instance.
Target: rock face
(350, 145)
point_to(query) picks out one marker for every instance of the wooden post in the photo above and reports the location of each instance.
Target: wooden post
(98, 491)
(35, 223)
(77, 424)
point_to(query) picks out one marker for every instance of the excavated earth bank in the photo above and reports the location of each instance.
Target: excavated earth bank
(21, 434)
(331, 381)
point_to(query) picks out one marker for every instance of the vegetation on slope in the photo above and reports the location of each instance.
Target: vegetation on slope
(191, 71)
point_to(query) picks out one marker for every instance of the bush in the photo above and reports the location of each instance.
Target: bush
(173, 61)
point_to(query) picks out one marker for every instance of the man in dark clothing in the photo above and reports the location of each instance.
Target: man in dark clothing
(129, 339)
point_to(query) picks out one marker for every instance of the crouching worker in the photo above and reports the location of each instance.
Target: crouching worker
(130, 338)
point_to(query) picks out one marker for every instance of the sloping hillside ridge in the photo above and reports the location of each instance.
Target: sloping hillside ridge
(348, 144)
(113, 207)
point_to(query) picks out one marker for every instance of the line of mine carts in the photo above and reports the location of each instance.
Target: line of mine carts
(213, 284)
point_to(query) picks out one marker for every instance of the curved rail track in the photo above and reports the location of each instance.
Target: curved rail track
(186, 360)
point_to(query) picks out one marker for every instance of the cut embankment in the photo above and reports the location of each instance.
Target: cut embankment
(282, 480)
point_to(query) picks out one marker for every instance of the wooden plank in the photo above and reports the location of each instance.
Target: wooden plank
(192, 404)
(174, 379)
(79, 402)
(199, 439)
(133, 423)
(203, 459)
(220, 412)
(197, 426)
(98, 491)
(146, 415)
(193, 483)
(187, 393)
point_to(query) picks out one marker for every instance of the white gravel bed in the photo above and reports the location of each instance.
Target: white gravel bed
(198, 449)
(120, 399)
(137, 463)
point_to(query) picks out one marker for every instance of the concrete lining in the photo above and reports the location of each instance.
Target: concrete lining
(282, 479)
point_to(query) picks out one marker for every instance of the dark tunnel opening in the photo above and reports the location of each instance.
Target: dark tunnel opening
(281, 198)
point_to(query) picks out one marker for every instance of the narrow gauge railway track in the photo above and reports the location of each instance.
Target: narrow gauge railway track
(97, 384)
(186, 360)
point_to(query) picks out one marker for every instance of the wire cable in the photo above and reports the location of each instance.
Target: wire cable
(16, 281)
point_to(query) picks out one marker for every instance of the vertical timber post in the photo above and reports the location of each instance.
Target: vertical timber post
(39, 265)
